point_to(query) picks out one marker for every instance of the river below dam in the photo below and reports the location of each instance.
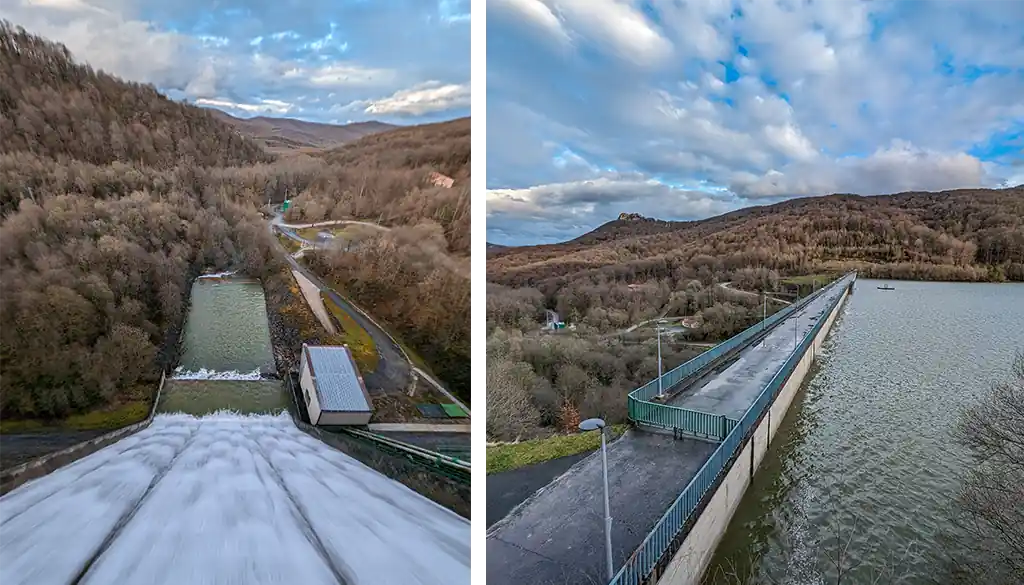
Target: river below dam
(223, 489)
(226, 354)
(864, 472)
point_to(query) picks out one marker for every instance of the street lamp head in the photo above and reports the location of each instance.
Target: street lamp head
(591, 424)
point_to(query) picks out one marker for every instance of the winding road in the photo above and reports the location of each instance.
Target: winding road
(394, 368)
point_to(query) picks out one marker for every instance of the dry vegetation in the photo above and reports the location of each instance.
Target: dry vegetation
(992, 497)
(411, 276)
(114, 198)
(636, 269)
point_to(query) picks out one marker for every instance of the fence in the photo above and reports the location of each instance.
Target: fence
(643, 411)
(440, 463)
(667, 531)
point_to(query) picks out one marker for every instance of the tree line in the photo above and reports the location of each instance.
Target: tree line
(114, 198)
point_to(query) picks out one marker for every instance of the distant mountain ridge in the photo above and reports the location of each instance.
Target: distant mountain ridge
(289, 133)
(965, 234)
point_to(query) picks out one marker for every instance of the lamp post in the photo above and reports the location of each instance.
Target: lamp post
(764, 313)
(596, 424)
(661, 392)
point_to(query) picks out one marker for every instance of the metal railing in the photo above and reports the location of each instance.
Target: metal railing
(643, 411)
(667, 532)
(447, 465)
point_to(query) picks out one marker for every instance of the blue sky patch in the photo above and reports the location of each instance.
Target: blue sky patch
(324, 61)
(693, 109)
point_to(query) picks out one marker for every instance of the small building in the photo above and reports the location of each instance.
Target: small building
(439, 180)
(332, 387)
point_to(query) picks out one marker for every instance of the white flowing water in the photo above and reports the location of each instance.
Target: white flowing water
(226, 499)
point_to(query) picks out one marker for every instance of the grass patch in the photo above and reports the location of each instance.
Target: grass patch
(289, 244)
(105, 419)
(309, 233)
(515, 455)
(414, 357)
(338, 231)
(364, 351)
(808, 280)
(116, 418)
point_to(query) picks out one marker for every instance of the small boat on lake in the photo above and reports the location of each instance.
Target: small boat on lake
(886, 287)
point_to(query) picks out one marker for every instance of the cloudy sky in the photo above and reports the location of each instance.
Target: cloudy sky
(400, 61)
(682, 109)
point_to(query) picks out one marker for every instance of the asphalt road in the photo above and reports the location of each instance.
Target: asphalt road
(508, 489)
(24, 447)
(393, 372)
(557, 536)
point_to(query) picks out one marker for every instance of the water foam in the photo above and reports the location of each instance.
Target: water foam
(220, 274)
(204, 374)
(223, 499)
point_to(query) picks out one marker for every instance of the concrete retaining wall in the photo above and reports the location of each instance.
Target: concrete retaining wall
(691, 560)
(16, 476)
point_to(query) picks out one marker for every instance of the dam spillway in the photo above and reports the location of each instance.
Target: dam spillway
(226, 499)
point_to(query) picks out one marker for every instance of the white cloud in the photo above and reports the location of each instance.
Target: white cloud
(897, 168)
(262, 51)
(424, 98)
(816, 101)
(618, 28)
(346, 74)
(274, 107)
(534, 13)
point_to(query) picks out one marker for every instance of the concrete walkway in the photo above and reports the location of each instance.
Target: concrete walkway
(734, 389)
(556, 537)
(315, 301)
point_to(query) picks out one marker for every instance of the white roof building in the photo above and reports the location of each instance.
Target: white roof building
(332, 388)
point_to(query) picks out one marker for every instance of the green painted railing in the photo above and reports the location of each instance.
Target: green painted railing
(664, 539)
(644, 411)
(447, 465)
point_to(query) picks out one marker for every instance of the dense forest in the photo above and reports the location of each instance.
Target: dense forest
(115, 198)
(713, 273)
(415, 276)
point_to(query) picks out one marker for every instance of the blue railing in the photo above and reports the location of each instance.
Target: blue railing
(658, 543)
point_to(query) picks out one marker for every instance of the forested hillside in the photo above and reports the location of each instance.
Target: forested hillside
(969, 235)
(115, 198)
(634, 270)
(415, 276)
(109, 214)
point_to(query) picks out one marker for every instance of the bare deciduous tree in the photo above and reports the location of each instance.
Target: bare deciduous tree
(992, 497)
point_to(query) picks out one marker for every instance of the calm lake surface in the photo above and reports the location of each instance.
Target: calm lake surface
(226, 353)
(865, 456)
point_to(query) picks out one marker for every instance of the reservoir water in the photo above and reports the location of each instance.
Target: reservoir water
(864, 472)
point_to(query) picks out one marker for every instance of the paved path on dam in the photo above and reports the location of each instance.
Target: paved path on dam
(734, 389)
(556, 537)
(226, 499)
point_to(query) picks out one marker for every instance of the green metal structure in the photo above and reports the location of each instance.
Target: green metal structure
(731, 435)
